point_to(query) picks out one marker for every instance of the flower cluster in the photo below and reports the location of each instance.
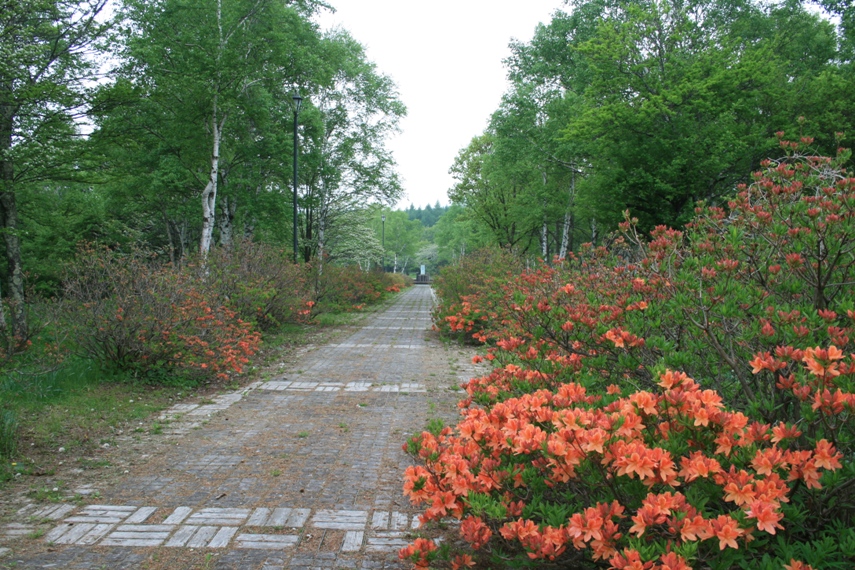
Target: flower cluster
(666, 403)
(503, 470)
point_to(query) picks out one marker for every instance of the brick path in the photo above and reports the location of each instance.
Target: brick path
(301, 471)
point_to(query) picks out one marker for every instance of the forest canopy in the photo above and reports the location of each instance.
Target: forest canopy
(651, 106)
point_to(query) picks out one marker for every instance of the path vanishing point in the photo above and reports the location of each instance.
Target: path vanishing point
(301, 471)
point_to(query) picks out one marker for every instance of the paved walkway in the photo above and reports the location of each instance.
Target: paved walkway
(300, 471)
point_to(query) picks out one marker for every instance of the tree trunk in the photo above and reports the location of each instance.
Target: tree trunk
(568, 219)
(308, 234)
(321, 245)
(544, 236)
(9, 221)
(168, 223)
(209, 194)
(225, 222)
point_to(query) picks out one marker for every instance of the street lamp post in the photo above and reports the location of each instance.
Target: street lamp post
(383, 240)
(297, 102)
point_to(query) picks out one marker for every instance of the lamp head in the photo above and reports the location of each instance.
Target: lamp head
(298, 101)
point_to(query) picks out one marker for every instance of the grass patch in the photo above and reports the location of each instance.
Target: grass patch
(75, 406)
(335, 319)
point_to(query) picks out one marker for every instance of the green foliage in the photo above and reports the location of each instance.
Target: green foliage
(435, 426)
(429, 215)
(8, 433)
(649, 106)
(401, 236)
(473, 275)
(341, 288)
(260, 283)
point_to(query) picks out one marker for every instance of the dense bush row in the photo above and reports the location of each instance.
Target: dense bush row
(132, 311)
(682, 401)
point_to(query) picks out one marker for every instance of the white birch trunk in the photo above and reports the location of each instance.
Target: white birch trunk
(544, 246)
(209, 195)
(225, 223)
(568, 216)
(543, 239)
(565, 236)
(321, 237)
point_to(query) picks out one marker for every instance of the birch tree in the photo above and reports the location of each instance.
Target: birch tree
(346, 166)
(197, 64)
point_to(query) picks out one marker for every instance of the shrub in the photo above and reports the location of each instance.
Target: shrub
(755, 303)
(340, 288)
(259, 282)
(670, 475)
(8, 433)
(476, 275)
(134, 313)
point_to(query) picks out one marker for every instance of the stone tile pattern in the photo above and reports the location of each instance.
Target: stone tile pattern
(301, 471)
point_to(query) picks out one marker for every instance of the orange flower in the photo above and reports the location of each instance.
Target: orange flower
(475, 532)
(635, 459)
(765, 460)
(645, 402)
(418, 552)
(673, 561)
(698, 465)
(726, 530)
(629, 560)
(766, 514)
(797, 565)
(825, 456)
(615, 336)
(462, 561)
(821, 363)
(781, 432)
(594, 440)
(696, 528)
(670, 379)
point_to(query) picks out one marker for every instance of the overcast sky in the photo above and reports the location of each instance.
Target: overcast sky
(446, 58)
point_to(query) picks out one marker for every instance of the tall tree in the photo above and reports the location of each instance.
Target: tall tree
(346, 165)
(650, 105)
(496, 204)
(199, 66)
(402, 239)
(43, 74)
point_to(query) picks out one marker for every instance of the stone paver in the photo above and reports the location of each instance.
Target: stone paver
(301, 471)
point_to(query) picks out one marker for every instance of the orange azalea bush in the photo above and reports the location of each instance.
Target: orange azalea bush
(572, 477)
(683, 401)
(475, 276)
(130, 312)
(346, 288)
